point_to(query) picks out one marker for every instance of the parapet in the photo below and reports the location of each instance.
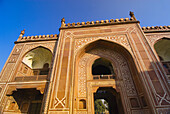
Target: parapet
(35, 38)
(156, 29)
(99, 23)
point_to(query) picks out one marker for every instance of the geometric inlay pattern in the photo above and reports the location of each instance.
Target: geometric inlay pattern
(58, 101)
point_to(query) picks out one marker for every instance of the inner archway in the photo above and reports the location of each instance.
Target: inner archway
(107, 100)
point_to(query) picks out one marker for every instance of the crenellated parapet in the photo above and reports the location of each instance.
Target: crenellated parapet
(99, 23)
(23, 38)
(38, 37)
(156, 29)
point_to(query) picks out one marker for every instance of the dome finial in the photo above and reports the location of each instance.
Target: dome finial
(132, 15)
(63, 22)
(22, 32)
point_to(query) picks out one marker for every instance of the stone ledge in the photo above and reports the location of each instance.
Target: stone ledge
(156, 29)
(98, 22)
(30, 78)
(37, 37)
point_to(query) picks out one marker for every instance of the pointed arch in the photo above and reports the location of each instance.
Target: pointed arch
(119, 39)
(162, 49)
(123, 64)
(33, 61)
(104, 43)
(27, 51)
(37, 55)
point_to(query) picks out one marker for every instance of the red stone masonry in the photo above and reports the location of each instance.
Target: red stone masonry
(99, 23)
(35, 38)
(156, 29)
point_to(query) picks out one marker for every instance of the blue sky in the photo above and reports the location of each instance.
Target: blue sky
(40, 17)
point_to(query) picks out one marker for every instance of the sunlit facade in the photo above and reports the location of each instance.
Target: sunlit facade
(115, 63)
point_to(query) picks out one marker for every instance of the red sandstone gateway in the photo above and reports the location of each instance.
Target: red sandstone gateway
(112, 63)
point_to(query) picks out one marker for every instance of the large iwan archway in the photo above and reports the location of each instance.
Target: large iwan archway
(119, 73)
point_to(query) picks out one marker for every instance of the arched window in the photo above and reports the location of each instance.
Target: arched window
(103, 68)
(162, 48)
(82, 104)
(35, 62)
(37, 58)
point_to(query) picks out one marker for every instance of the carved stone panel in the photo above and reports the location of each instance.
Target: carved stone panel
(18, 49)
(152, 38)
(49, 45)
(120, 39)
(82, 76)
(15, 55)
(13, 58)
(7, 72)
(81, 112)
(163, 110)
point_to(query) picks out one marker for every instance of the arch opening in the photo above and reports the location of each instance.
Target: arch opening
(36, 58)
(28, 100)
(162, 48)
(107, 100)
(102, 58)
(82, 104)
(35, 63)
(102, 69)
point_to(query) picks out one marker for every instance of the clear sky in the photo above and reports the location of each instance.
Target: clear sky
(40, 17)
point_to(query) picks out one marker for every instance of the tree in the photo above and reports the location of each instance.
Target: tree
(99, 106)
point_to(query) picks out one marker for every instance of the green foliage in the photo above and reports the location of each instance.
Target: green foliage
(100, 106)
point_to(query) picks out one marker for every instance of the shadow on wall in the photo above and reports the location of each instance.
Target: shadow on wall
(24, 101)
